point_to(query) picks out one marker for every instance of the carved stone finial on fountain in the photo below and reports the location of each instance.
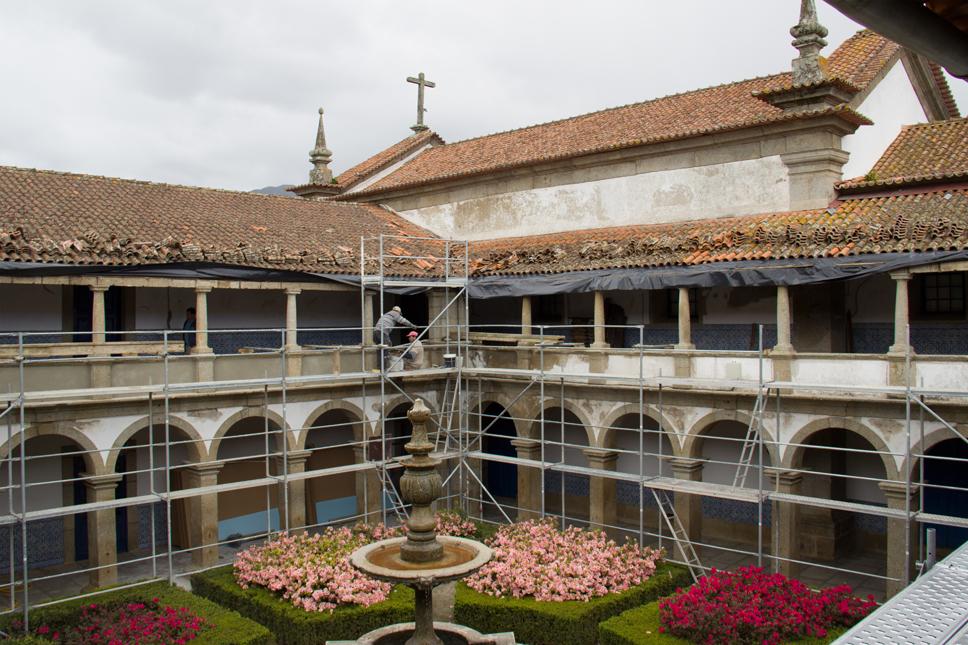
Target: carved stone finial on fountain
(420, 486)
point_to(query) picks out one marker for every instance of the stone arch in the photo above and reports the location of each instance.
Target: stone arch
(608, 425)
(90, 453)
(246, 413)
(195, 445)
(793, 457)
(511, 415)
(361, 427)
(401, 400)
(931, 439)
(568, 406)
(692, 441)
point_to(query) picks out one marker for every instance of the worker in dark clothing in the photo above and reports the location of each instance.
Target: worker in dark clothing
(386, 324)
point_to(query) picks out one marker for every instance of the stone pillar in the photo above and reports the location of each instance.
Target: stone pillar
(685, 321)
(526, 315)
(783, 323)
(436, 301)
(98, 317)
(901, 544)
(901, 318)
(367, 330)
(101, 530)
(296, 511)
(201, 320)
(529, 479)
(292, 320)
(599, 338)
(785, 525)
(601, 496)
(202, 513)
(688, 507)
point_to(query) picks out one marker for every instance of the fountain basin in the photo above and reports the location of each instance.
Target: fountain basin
(449, 634)
(382, 560)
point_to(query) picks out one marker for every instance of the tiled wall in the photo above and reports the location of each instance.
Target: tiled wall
(876, 338)
(45, 543)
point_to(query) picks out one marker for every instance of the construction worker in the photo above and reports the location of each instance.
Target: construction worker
(386, 324)
(413, 358)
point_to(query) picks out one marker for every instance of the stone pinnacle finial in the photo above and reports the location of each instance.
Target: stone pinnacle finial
(808, 37)
(320, 156)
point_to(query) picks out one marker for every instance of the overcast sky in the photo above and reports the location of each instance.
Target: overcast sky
(224, 93)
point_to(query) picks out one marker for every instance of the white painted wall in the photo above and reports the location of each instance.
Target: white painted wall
(717, 190)
(386, 171)
(890, 105)
(27, 307)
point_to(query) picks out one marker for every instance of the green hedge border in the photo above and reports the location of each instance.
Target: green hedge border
(640, 626)
(228, 627)
(294, 626)
(559, 623)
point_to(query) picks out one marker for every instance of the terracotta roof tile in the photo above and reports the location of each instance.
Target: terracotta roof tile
(946, 96)
(715, 109)
(66, 218)
(924, 221)
(922, 153)
(386, 157)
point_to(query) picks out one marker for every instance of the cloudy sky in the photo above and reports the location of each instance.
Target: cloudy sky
(224, 92)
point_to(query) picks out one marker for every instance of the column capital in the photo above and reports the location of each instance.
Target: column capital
(100, 288)
(209, 469)
(901, 276)
(293, 291)
(787, 478)
(296, 459)
(527, 448)
(102, 482)
(203, 288)
(897, 491)
(600, 457)
(685, 465)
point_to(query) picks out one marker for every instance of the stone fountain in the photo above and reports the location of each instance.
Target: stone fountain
(422, 559)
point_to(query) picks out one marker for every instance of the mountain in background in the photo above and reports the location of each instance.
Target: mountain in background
(276, 190)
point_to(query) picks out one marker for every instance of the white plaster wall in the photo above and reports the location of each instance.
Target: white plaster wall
(890, 105)
(28, 307)
(872, 373)
(717, 190)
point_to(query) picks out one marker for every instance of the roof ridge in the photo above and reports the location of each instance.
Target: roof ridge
(145, 182)
(618, 107)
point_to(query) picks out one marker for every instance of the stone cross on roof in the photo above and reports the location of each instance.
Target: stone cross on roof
(421, 83)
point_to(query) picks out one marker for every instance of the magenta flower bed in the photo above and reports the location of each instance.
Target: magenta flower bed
(535, 559)
(751, 606)
(127, 623)
(313, 571)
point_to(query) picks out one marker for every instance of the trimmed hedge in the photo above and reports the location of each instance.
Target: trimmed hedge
(571, 622)
(640, 626)
(293, 626)
(226, 626)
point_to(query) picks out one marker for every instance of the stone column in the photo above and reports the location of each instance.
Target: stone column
(785, 524)
(901, 318)
(529, 479)
(201, 320)
(98, 317)
(900, 548)
(292, 320)
(599, 339)
(783, 322)
(685, 321)
(202, 513)
(367, 330)
(601, 495)
(101, 530)
(688, 507)
(526, 315)
(296, 511)
(436, 301)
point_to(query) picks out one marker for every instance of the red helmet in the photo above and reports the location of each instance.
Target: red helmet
(412, 334)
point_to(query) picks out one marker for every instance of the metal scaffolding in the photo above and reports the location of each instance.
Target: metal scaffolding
(457, 385)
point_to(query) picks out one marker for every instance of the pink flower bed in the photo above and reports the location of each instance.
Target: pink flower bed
(535, 559)
(313, 571)
(752, 606)
(127, 623)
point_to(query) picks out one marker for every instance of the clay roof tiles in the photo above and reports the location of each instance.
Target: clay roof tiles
(386, 157)
(921, 153)
(925, 221)
(715, 109)
(65, 218)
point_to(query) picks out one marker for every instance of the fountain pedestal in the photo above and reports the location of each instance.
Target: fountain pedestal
(422, 560)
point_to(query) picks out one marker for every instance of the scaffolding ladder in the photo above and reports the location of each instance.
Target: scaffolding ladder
(751, 440)
(448, 437)
(667, 510)
(391, 494)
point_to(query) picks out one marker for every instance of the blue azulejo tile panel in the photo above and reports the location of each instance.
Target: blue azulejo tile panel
(45, 543)
(576, 485)
(868, 523)
(926, 338)
(628, 493)
(144, 525)
(734, 511)
(734, 337)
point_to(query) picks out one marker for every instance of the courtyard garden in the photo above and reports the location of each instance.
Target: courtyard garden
(547, 585)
